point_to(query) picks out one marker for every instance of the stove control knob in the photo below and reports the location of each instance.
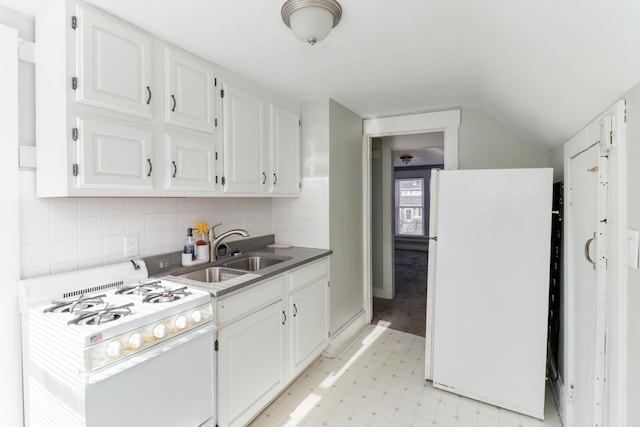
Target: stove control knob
(196, 316)
(114, 349)
(159, 331)
(181, 322)
(135, 340)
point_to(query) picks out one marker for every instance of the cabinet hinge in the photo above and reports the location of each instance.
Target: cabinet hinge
(222, 180)
(215, 81)
(215, 346)
(74, 22)
(74, 169)
(221, 93)
(74, 83)
(300, 185)
(216, 179)
(299, 122)
(216, 155)
(215, 122)
(74, 134)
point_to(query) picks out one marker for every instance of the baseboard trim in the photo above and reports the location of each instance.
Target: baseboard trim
(345, 334)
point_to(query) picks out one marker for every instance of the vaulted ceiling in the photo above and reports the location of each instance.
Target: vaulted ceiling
(544, 68)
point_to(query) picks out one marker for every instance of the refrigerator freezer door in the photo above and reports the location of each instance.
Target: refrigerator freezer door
(491, 286)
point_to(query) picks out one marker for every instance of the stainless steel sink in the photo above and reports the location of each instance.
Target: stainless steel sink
(213, 274)
(252, 263)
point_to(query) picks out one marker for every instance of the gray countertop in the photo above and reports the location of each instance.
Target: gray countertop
(298, 256)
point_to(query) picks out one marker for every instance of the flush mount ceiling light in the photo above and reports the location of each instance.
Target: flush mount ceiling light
(311, 20)
(406, 158)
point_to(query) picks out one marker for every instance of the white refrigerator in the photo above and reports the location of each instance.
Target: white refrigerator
(488, 285)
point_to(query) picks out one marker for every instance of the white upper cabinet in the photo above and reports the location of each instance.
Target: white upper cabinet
(189, 91)
(113, 64)
(190, 162)
(244, 138)
(113, 154)
(284, 150)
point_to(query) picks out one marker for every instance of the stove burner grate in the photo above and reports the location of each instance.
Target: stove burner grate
(140, 288)
(100, 316)
(76, 305)
(167, 295)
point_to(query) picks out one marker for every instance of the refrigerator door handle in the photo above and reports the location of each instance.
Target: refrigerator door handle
(587, 245)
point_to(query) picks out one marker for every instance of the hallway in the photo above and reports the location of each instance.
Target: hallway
(407, 311)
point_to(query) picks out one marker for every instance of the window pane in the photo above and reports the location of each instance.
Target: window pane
(409, 207)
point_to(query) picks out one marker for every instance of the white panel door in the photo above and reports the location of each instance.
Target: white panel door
(191, 161)
(285, 151)
(251, 364)
(491, 286)
(113, 154)
(244, 151)
(189, 91)
(114, 64)
(583, 222)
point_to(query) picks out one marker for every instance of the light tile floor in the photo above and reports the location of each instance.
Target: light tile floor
(378, 381)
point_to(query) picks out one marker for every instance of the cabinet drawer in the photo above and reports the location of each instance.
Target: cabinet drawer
(308, 273)
(244, 302)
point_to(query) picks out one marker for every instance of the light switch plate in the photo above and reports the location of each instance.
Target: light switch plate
(633, 238)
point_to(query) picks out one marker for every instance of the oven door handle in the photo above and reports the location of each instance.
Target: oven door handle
(134, 360)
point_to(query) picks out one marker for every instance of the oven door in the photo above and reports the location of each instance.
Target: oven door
(167, 386)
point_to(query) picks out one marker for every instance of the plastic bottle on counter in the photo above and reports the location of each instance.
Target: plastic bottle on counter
(190, 244)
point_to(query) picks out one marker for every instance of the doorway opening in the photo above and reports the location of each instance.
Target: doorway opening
(400, 183)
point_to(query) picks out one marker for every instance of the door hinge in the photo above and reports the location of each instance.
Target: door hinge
(74, 169)
(74, 22)
(215, 122)
(74, 83)
(74, 134)
(221, 93)
(222, 180)
(215, 345)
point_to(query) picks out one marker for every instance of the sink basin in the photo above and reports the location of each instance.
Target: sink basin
(213, 274)
(252, 263)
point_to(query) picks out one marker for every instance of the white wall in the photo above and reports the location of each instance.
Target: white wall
(345, 215)
(556, 161)
(486, 144)
(633, 289)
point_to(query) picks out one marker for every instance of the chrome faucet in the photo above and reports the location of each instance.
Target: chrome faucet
(217, 240)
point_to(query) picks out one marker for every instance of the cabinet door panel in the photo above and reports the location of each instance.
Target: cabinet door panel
(112, 154)
(250, 364)
(285, 151)
(243, 142)
(114, 64)
(189, 92)
(191, 162)
(309, 324)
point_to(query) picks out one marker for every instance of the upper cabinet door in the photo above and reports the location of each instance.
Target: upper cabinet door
(113, 64)
(191, 162)
(189, 91)
(285, 151)
(244, 157)
(114, 154)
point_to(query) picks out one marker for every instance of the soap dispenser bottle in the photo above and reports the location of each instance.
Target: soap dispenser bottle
(190, 245)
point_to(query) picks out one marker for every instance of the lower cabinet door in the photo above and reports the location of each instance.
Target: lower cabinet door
(251, 364)
(309, 324)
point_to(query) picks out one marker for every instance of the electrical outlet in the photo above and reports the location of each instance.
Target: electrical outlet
(130, 246)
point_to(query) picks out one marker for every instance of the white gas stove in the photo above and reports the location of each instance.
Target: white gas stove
(86, 329)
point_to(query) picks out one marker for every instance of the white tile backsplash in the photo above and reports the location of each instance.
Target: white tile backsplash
(59, 235)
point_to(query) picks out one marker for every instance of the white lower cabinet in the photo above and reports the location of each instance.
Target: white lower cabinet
(250, 364)
(268, 334)
(309, 324)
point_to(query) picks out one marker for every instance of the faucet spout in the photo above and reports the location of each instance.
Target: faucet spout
(217, 240)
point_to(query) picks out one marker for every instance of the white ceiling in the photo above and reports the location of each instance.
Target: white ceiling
(544, 68)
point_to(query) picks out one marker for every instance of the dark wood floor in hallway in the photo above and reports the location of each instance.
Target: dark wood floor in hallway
(406, 312)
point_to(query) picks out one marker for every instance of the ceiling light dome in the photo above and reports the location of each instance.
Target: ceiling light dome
(311, 20)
